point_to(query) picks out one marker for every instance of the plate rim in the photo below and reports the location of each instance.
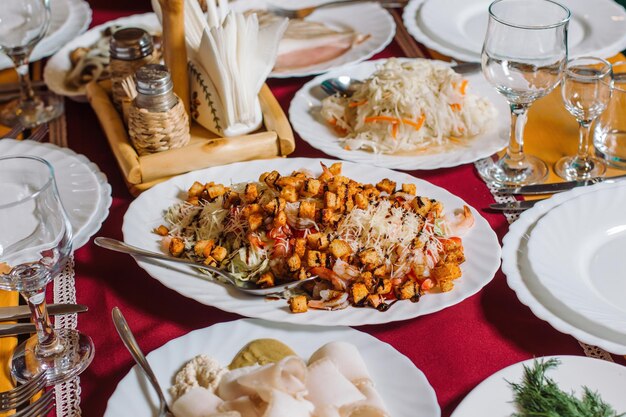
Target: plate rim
(314, 317)
(105, 191)
(337, 331)
(511, 242)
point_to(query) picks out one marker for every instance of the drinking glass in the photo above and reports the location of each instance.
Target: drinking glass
(586, 90)
(609, 131)
(523, 57)
(35, 243)
(23, 23)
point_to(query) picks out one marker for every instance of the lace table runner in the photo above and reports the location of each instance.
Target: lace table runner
(591, 351)
(67, 393)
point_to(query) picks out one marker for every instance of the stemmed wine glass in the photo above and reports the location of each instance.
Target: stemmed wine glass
(523, 57)
(35, 243)
(23, 23)
(586, 90)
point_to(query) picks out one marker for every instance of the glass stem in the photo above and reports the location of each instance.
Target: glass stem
(21, 66)
(584, 131)
(518, 122)
(48, 342)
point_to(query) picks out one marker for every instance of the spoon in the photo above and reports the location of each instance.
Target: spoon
(346, 86)
(247, 287)
(131, 344)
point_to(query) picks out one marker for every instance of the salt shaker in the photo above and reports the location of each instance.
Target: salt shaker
(130, 49)
(157, 120)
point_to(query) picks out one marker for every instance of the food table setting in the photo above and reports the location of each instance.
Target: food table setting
(414, 296)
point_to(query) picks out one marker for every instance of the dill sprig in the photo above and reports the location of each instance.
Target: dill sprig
(539, 396)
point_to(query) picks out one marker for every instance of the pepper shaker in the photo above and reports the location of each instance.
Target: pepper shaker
(157, 120)
(130, 49)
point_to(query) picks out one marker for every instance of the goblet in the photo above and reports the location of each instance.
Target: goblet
(586, 90)
(34, 246)
(523, 57)
(23, 23)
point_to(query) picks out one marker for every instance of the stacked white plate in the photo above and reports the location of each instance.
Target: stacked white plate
(565, 259)
(456, 28)
(69, 18)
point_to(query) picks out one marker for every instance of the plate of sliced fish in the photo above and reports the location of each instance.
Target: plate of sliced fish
(329, 38)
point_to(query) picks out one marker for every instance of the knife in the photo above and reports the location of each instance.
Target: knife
(514, 206)
(23, 312)
(467, 67)
(539, 189)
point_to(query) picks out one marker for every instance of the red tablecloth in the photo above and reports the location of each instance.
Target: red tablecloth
(456, 348)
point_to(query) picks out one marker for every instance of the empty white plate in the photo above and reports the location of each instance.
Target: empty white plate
(578, 252)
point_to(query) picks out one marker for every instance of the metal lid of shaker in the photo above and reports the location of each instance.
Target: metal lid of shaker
(131, 43)
(153, 79)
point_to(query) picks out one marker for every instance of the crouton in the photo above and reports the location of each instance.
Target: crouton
(369, 257)
(330, 200)
(298, 304)
(384, 286)
(270, 179)
(204, 247)
(386, 185)
(361, 201)
(409, 189)
(293, 263)
(359, 292)
(195, 190)
(275, 205)
(339, 248)
(266, 280)
(289, 194)
(299, 246)
(255, 221)
(317, 241)
(295, 182)
(219, 253)
(250, 193)
(374, 300)
(335, 168)
(446, 286)
(280, 219)
(315, 258)
(176, 247)
(194, 201)
(421, 205)
(306, 210)
(210, 261)
(231, 198)
(310, 187)
(369, 281)
(215, 190)
(406, 290)
(161, 230)
(446, 272)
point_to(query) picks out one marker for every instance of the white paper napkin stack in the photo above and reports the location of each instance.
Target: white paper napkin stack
(230, 59)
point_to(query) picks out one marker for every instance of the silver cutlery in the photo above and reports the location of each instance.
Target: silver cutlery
(131, 344)
(10, 400)
(247, 287)
(304, 12)
(40, 408)
(540, 189)
(23, 312)
(345, 85)
(514, 206)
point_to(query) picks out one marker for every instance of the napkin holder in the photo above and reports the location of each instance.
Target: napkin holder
(206, 107)
(273, 139)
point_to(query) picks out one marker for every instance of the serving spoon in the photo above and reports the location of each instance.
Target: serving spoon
(346, 86)
(247, 287)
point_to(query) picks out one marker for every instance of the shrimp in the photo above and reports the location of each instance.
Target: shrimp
(461, 222)
(331, 300)
(328, 275)
(345, 271)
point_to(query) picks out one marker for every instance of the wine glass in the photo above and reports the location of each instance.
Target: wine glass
(523, 57)
(586, 90)
(23, 23)
(35, 243)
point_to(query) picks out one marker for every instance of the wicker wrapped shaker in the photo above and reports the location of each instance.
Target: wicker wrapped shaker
(157, 120)
(130, 49)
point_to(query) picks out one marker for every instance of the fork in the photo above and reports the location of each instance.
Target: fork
(304, 12)
(15, 130)
(40, 408)
(10, 400)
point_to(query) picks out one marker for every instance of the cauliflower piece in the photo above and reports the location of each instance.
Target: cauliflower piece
(201, 371)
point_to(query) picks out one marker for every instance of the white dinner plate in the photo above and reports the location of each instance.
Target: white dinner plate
(365, 18)
(146, 212)
(457, 27)
(402, 386)
(59, 65)
(306, 121)
(68, 19)
(493, 397)
(83, 188)
(577, 251)
(529, 290)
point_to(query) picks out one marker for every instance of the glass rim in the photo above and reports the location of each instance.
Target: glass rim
(607, 70)
(41, 189)
(532, 27)
(621, 79)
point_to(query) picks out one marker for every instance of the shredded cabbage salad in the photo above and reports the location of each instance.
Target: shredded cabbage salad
(408, 106)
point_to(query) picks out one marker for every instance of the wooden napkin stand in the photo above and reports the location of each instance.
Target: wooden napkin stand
(204, 150)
